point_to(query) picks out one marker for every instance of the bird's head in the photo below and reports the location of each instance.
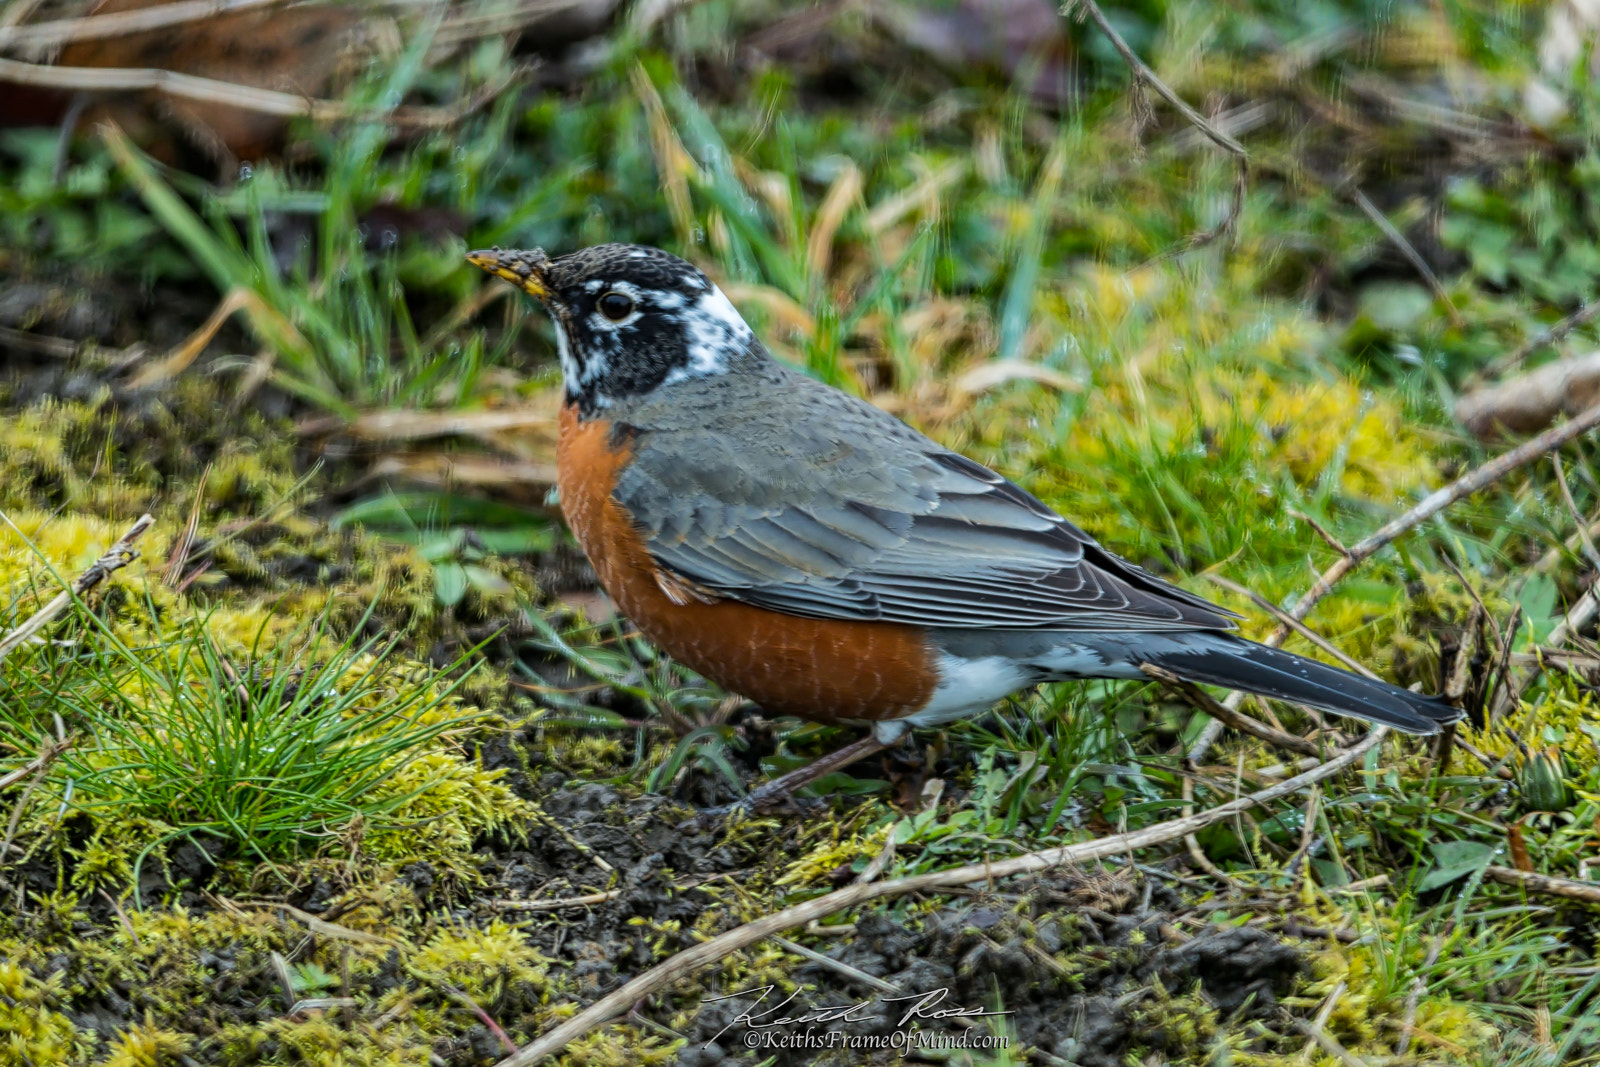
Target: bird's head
(629, 319)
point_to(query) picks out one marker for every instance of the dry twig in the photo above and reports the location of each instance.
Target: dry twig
(1543, 339)
(882, 860)
(35, 767)
(618, 1002)
(1144, 76)
(42, 36)
(843, 969)
(1290, 621)
(1228, 716)
(1191, 843)
(231, 94)
(1324, 1013)
(1584, 537)
(118, 556)
(587, 900)
(1406, 249)
(1329, 1045)
(1570, 888)
(1477, 478)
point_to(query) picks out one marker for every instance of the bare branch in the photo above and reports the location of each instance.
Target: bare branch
(1144, 76)
(1477, 478)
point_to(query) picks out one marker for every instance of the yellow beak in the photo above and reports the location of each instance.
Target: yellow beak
(523, 269)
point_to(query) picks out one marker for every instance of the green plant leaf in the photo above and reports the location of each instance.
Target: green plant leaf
(1454, 860)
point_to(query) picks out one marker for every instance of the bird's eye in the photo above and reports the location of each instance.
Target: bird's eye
(615, 306)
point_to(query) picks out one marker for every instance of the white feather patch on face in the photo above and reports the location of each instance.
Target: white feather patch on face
(713, 330)
(576, 375)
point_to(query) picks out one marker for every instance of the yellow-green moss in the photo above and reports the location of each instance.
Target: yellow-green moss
(31, 1032)
(147, 1045)
(484, 963)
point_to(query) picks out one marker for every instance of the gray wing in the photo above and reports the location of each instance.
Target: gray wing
(910, 533)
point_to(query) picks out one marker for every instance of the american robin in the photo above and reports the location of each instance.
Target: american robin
(818, 556)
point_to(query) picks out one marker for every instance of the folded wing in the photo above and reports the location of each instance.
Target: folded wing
(924, 536)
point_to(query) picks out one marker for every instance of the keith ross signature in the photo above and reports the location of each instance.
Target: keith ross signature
(918, 1007)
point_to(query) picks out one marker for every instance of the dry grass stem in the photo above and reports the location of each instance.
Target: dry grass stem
(1543, 339)
(834, 965)
(230, 94)
(42, 36)
(1290, 621)
(585, 901)
(1406, 249)
(1144, 76)
(118, 556)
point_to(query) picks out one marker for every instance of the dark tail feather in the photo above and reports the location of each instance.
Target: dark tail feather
(1239, 664)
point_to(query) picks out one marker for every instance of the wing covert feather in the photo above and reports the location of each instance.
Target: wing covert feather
(799, 519)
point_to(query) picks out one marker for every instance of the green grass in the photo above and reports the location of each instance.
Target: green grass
(250, 736)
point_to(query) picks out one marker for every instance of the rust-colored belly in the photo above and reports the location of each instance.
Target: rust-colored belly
(819, 669)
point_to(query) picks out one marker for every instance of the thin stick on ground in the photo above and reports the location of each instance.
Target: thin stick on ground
(1299, 863)
(834, 965)
(1406, 249)
(35, 767)
(1324, 1013)
(118, 556)
(585, 901)
(1577, 617)
(1229, 717)
(1583, 535)
(617, 1003)
(882, 860)
(1144, 76)
(1192, 843)
(45, 757)
(1543, 339)
(232, 94)
(41, 36)
(1408, 1024)
(1290, 621)
(1326, 1042)
(1571, 889)
(1479, 477)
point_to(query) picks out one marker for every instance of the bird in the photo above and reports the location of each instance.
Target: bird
(812, 553)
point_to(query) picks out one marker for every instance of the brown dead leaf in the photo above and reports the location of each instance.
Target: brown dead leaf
(1519, 848)
(294, 50)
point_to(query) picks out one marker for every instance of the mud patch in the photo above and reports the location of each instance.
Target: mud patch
(1080, 983)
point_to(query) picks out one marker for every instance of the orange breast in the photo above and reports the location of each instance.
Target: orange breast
(818, 669)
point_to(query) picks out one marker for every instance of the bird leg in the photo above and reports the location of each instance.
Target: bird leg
(781, 789)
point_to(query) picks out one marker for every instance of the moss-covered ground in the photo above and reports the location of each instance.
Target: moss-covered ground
(308, 781)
